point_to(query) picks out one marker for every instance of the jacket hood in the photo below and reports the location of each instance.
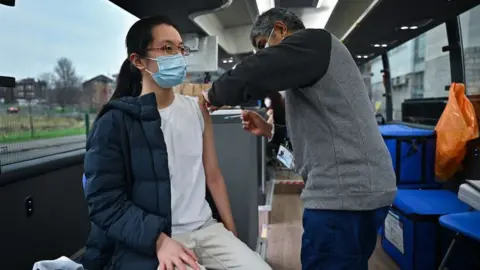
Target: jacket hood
(141, 108)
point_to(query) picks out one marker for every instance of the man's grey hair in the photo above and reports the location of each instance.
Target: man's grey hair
(264, 24)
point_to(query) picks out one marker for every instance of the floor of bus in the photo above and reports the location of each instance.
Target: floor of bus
(285, 232)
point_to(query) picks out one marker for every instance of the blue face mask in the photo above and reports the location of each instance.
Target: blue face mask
(172, 70)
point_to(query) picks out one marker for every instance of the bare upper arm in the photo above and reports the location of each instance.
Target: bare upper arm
(210, 159)
(207, 119)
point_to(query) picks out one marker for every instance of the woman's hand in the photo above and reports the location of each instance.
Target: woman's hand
(173, 255)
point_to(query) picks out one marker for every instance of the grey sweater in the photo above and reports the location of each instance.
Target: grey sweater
(336, 142)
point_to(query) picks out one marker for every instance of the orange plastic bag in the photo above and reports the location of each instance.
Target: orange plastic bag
(457, 125)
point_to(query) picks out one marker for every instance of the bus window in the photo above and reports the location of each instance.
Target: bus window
(377, 87)
(419, 69)
(470, 21)
(64, 56)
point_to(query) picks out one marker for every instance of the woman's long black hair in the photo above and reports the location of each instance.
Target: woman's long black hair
(139, 37)
(137, 41)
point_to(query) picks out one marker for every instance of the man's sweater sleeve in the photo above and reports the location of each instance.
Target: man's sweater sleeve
(300, 60)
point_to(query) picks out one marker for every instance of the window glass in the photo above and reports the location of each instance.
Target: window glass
(57, 51)
(377, 88)
(419, 69)
(470, 22)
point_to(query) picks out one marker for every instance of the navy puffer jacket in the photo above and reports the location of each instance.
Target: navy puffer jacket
(125, 228)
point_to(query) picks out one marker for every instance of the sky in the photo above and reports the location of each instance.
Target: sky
(35, 33)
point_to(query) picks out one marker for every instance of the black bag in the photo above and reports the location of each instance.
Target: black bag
(472, 160)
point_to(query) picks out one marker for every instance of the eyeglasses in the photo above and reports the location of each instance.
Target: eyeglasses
(171, 49)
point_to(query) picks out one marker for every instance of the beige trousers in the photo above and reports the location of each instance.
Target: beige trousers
(218, 249)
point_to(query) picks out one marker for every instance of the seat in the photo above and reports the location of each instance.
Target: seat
(464, 223)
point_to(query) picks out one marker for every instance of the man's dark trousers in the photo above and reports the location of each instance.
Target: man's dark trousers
(339, 240)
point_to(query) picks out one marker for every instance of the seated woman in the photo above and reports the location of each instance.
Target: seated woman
(165, 221)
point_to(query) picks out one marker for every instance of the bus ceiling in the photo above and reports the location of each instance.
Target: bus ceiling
(10, 3)
(177, 10)
(387, 24)
(232, 20)
(233, 24)
(381, 26)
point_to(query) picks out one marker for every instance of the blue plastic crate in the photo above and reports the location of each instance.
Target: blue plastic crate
(413, 155)
(411, 232)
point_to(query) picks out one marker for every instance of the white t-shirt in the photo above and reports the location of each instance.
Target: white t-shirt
(182, 126)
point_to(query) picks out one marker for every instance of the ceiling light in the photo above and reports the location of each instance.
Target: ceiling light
(384, 45)
(365, 56)
(412, 27)
(224, 61)
(376, 45)
(359, 56)
(230, 61)
(319, 3)
(264, 5)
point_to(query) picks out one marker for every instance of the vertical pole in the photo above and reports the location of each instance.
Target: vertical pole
(30, 119)
(449, 250)
(387, 82)
(87, 123)
(455, 49)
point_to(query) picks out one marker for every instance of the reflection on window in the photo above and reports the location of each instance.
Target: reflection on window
(419, 49)
(64, 55)
(470, 21)
(419, 69)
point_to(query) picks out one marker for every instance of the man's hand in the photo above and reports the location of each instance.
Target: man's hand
(256, 124)
(207, 102)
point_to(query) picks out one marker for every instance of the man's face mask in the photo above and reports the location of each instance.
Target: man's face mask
(269, 37)
(172, 70)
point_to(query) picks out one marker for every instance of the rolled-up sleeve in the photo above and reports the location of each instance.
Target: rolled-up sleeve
(109, 207)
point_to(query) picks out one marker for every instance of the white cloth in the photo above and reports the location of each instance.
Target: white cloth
(62, 263)
(182, 126)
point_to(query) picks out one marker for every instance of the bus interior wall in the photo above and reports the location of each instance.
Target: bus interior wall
(43, 216)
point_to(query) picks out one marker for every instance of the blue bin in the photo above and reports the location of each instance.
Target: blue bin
(413, 155)
(411, 234)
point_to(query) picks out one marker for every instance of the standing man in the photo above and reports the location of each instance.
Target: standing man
(338, 149)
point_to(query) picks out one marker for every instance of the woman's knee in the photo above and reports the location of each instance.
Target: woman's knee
(249, 259)
(256, 262)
